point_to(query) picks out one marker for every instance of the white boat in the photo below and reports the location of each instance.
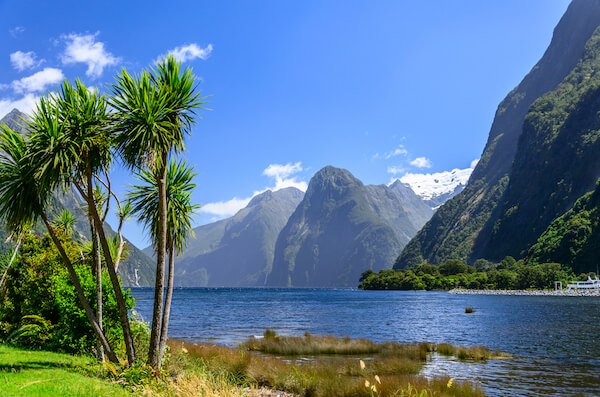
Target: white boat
(590, 283)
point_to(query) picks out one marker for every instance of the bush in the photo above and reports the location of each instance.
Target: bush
(39, 307)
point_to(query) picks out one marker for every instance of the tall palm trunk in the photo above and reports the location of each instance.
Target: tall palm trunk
(97, 268)
(114, 278)
(157, 313)
(12, 258)
(97, 263)
(167, 310)
(80, 294)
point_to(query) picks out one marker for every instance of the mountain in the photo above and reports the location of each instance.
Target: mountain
(541, 155)
(574, 237)
(342, 228)
(136, 270)
(438, 187)
(238, 251)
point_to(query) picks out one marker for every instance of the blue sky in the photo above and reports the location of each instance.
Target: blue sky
(380, 88)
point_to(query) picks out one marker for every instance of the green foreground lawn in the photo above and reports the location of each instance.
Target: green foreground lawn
(38, 373)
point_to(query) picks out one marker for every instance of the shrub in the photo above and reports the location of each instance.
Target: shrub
(38, 304)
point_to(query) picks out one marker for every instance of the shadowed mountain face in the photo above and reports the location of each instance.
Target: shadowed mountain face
(238, 251)
(136, 270)
(342, 228)
(539, 131)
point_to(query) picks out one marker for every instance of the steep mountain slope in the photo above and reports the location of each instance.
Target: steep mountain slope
(558, 160)
(342, 228)
(238, 251)
(573, 238)
(454, 231)
(136, 270)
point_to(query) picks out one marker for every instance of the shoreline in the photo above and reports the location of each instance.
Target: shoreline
(563, 292)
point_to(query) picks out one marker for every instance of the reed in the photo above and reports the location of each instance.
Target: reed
(310, 365)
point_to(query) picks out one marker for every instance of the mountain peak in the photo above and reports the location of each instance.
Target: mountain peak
(14, 119)
(285, 193)
(330, 175)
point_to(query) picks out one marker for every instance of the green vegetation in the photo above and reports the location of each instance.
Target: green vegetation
(573, 238)
(67, 147)
(453, 273)
(38, 304)
(37, 373)
(154, 111)
(209, 370)
(556, 162)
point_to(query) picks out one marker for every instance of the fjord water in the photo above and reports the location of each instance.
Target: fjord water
(555, 341)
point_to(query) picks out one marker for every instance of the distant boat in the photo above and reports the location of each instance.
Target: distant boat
(590, 283)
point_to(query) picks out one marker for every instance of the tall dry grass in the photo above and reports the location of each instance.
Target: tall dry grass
(312, 366)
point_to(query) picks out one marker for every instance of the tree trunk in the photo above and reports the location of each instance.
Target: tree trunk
(98, 270)
(80, 294)
(167, 310)
(114, 278)
(161, 247)
(96, 266)
(12, 258)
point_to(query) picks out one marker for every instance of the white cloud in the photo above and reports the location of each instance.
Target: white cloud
(225, 209)
(395, 169)
(85, 49)
(435, 184)
(421, 162)
(282, 173)
(25, 104)
(23, 60)
(190, 51)
(16, 31)
(474, 163)
(38, 81)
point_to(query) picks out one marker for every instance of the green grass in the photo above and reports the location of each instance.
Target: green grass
(38, 373)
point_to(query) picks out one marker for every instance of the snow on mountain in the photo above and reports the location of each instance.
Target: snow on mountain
(438, 187)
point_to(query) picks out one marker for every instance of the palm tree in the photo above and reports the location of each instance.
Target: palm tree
(144, 203)
(24, 200)
(154, 111)
(71, 143)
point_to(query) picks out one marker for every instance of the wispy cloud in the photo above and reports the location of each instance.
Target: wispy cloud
(83, 48)
(399, 151)
(189, 52)
(421, 162)
(23, 60)
(395, 170)
(39, 81)
(16, 31)
(225, 209)
(281, 173)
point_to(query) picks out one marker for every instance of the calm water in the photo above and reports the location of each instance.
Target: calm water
(555, 340)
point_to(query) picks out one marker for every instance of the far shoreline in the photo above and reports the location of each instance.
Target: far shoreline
(564, 292)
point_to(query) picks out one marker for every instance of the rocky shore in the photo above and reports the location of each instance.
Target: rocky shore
(562, 292)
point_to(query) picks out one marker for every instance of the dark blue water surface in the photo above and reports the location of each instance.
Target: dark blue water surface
(555, 340)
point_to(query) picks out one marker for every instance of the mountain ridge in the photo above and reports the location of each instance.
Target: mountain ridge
(454, 232)
(342, 228)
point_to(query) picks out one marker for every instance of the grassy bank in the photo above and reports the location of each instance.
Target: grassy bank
(297, 366)
(38, 373)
